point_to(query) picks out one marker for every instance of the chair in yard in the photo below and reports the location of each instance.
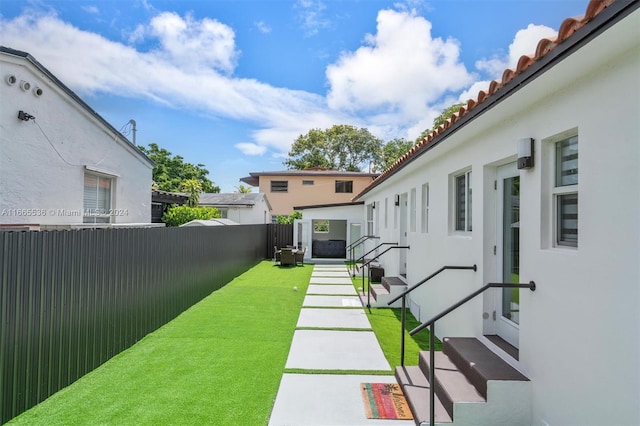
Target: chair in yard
(276, 254)
(287, 257)
(300, 255)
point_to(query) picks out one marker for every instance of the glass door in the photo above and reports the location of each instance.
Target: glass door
(508, 303)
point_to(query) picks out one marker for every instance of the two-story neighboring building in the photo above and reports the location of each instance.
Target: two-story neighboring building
(62, 164)
(289, 188)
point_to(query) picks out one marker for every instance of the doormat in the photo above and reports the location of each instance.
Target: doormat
(385, 401)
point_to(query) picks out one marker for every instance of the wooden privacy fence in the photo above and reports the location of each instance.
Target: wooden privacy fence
(70, 300)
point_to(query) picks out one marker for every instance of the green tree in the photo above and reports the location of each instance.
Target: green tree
(243, 189)
(193, 188)
(390, 152)
(439, 120)
(179, 215)
(286, 220)
(171, 171)
(341, 147)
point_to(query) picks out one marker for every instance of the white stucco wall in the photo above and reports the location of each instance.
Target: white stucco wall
(256, 214)
(38, 184)
(580, 330)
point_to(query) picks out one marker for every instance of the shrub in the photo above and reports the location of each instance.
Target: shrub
(179, 215)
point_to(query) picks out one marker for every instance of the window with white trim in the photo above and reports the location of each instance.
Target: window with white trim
(97, 198)
(370, 208)
(462, 200)
(386, 213)
(425, 209)
(565, 192)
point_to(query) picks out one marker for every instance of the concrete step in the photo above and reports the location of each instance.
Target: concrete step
(478, 363)
(452, 386)
(416, 390)
(472, 385)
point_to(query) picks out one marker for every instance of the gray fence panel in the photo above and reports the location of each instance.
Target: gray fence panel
(70, 300)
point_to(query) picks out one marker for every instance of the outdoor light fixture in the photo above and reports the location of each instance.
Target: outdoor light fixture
(397, 203)
(25, 116)
(525, 153)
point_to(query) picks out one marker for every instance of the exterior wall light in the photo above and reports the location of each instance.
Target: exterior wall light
(525, 153)
(397, 202)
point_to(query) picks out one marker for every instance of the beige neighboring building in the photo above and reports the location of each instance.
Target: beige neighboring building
(290, 188)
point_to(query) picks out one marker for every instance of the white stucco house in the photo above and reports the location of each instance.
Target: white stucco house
(245, 209)
(327, 230)
(535, 180)
(61, 164)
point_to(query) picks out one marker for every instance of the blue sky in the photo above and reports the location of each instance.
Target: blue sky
(231, 84)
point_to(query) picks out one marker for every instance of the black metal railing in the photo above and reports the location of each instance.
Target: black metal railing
(351, 247)
(403, 296)
(432, 331)
(376, 257)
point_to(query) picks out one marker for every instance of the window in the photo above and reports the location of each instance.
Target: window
(279, 186)
(565, 192)
(97, 198)
(412, 213)
(386, 212)
(224, 212)
(321, 226)
(307, 183)
(344, 186)
(370, 208)
(463, 202)
(425, 208)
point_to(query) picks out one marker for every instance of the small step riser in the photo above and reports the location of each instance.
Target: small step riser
(442, 395)
(465, 367)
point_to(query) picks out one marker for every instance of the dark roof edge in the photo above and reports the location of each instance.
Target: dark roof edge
(318, 206)
(71, 94)
(601, 22)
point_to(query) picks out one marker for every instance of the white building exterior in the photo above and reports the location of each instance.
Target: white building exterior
(252, 208)
(578, 334)
(65, 165)
(329, 228)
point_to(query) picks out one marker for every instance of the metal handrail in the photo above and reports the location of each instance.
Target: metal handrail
(369, 271)
(403, 314)
(432, 331)
(351, 247)
(371, 251)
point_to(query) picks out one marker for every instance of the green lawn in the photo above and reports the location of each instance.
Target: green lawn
(219, 363)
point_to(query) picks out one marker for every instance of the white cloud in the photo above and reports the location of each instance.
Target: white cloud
(263, 27)
(311, 16)
(161, 75)
(401, 68)
(195, 43)
(249, 148)
(91, 9)
(524, 43)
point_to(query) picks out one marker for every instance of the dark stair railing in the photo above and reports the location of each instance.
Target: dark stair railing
(351, 247)
(396, 246)
(404, 294)
(432, 330)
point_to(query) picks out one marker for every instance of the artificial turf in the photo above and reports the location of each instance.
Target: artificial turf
(219, 363)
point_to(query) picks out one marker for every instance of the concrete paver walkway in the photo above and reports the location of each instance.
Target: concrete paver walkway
(333, 333)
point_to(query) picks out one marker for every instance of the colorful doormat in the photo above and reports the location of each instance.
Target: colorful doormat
(385, 401)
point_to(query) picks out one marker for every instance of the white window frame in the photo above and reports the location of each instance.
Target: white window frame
(386, 213)
(370, 208)
(467, 227)
(424, 219)
(560, 191)
(100, 212)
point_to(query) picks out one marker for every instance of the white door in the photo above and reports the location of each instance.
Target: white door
(508, 253)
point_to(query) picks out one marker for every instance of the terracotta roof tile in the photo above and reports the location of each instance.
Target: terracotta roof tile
(568, 27)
